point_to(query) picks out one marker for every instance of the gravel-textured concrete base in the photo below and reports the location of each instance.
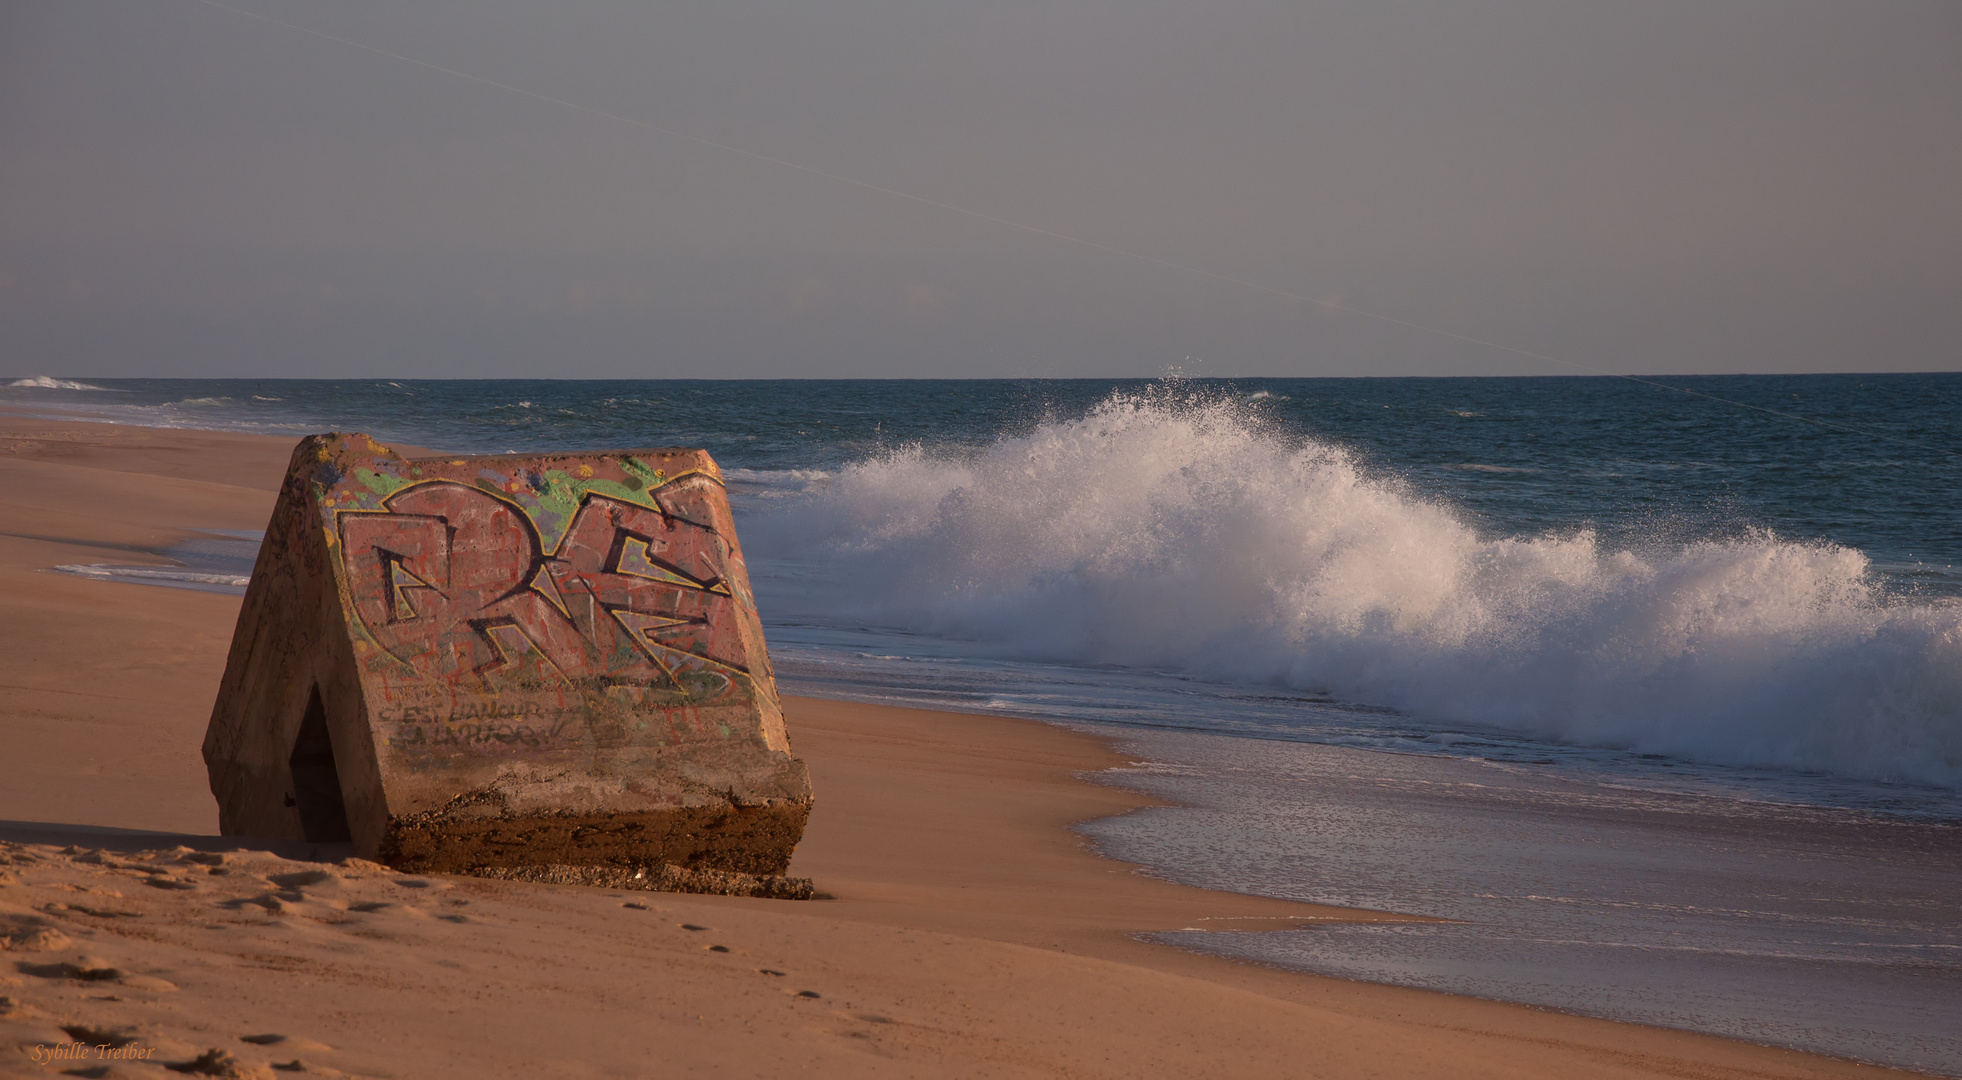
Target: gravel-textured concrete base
(662, 877)
(741, 839)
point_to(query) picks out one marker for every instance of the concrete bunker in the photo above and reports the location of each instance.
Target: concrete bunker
(471, 664)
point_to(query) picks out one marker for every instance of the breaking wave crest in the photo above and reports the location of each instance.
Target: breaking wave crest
(1180, 534)
(49, 382)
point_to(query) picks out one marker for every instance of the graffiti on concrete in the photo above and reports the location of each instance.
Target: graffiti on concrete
(455, 582)
(508, 660)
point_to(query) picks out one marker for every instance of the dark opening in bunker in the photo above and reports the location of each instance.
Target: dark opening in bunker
(316, 781)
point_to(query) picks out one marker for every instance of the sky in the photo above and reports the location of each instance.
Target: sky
(981, 188)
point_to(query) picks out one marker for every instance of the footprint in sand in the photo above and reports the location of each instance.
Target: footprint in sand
(288, 1044)
(272, 902)
(214, 1062)
(31, 935)
(95, 1036)
(98, 912)
(83, 969)
(96, 969)
(301, 879)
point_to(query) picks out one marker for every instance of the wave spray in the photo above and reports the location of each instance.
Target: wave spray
(1170, 531)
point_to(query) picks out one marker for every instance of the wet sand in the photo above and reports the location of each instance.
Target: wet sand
(970, 931)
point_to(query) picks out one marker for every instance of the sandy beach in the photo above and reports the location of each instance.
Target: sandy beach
(964, 929)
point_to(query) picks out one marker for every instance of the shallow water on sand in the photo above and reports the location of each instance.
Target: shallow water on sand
(209, 560)
(1820, 928)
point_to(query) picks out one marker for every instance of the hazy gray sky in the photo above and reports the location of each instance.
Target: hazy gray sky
(1655, 186)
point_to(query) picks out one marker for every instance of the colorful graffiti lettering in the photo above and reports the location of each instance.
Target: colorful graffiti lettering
(451, 579)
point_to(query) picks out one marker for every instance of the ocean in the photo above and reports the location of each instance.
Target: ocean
(1655, 691)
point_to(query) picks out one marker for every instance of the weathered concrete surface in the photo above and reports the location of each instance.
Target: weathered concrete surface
(666, 878)
(458, 663)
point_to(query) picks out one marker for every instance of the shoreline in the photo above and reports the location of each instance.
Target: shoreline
(944, 832)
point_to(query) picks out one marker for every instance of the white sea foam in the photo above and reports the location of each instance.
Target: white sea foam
(773, 483)
(156, 575)
(1179, 534)
(49, 382)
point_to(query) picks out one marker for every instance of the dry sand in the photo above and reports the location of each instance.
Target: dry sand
(970, 933)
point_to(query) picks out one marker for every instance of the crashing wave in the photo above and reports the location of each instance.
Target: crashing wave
(49, 382)
(1183, 535)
